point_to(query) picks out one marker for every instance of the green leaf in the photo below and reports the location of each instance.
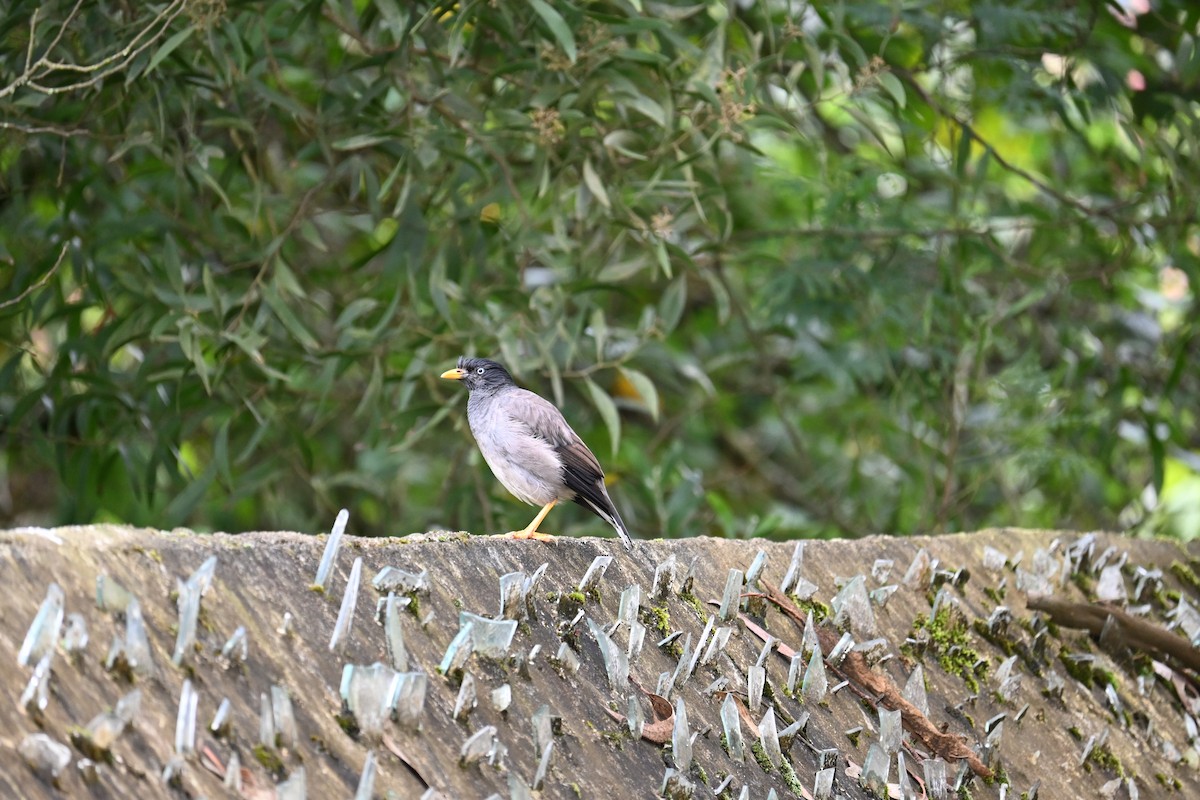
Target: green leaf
(608, 411)
(670, 310)
(892, 85)
(645, 389)
(558, 27)
(285, 315)
(168, 47)
(181, 506)
(360, 142)
(594, 184)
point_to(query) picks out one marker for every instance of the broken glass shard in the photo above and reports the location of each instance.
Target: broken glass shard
(332, 545)
(459, 650)
(637, 637)
(993, 559)
(881, 569)
(881, 595)
(366, 779)
(935, 778)
(914, 690)
(591, 579)
(400, 581)
(478, 745)
(408, 698)
(768, 647)
(815, 683)
(795, 668)
(266, 721)
(393, 634)
(852, 608)
(286, 731)
(823, 784)
(1111, 586)
(345, 617)
(190, 593)
(1009, 679)
(36, 696)
(808, 640)
(755, 677)
(631, 601)
(567, 659)
(502, 697)
(172, 774)
(220, 722)
(919, 571)
(793, 570)
(492, 637)
(543, 767)
(42, 636)
(46, 757)
(839, 651)
(233, 774)
(367, 694)
(754, 572)
(875, 771)
(873, 650)
(789, 734)
(615, 662)
(717, 643)
(467, 698)
(636, 716)
(512, 598)
(731, 598)
(237, 646)
(907, 792)
(75, 638)
(890, 730)
(543, 729)
(185, 720)
(110, 595)
(695, 654)
(768, 737)
(664, 575)
(681, 738)
(684, 658)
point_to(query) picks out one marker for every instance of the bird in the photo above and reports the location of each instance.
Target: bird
(530, 447)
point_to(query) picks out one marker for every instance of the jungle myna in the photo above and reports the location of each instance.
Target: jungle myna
(531, 448)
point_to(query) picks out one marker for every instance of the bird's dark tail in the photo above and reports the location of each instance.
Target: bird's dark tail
(602, 506)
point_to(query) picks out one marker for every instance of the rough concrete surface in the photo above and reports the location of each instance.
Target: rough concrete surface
(1058, 741)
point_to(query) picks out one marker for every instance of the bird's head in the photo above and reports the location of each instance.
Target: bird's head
(479, 374)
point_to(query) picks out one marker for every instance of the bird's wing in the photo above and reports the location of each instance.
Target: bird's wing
(541, 419)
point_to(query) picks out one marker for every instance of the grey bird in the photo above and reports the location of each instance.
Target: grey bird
(531, 448)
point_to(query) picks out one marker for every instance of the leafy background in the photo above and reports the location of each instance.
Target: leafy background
(791, 269)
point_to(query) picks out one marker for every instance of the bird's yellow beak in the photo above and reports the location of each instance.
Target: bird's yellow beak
(454, 374)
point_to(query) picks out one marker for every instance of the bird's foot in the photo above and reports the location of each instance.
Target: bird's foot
(541, 537)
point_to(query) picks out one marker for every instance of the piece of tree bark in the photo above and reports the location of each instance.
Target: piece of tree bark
(1135, 633)
(877, 685)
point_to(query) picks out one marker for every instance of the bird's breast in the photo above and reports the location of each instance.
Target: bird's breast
(526, 465)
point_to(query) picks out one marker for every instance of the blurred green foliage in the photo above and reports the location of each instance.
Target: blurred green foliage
(791, 269)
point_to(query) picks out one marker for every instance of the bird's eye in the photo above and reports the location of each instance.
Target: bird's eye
(480, 371)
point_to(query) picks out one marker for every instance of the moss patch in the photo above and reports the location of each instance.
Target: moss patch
(951, 642)
(1186, 575)
(270, 760)
(760, 756)
(696, 605)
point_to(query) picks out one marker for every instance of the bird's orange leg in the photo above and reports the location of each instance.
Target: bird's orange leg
(530, 531)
